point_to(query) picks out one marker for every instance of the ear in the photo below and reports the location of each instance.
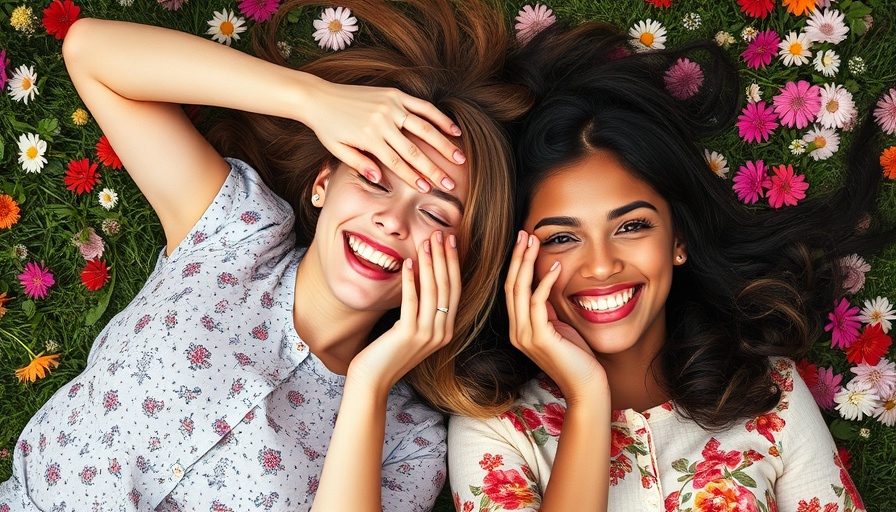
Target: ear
(319, 188)
(680, 252)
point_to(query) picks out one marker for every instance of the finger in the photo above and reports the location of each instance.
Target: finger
(538, 302)
(512, 273)
(427, 310)
(440, 272)
(423, 164)
(358, 161)
(409, 303)
(427, 110)
(454, 283)
(522, 290)
(396, 163)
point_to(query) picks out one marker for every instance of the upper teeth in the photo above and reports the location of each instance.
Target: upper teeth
(606, 303)
(372, 255)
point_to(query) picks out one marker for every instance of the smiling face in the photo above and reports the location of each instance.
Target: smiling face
(614, 238)
(365, 230)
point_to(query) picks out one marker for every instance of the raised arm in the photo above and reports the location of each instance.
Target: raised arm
(133, 78)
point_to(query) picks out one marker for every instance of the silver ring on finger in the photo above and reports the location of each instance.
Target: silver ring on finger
(442, 310)
(401, 124)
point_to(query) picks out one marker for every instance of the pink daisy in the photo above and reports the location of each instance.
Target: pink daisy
(172, 5)
(4, 62)
(757, 122)
(826, 387)
(785, 187)
(844, 324)
(89, 244)
(259, 10)
(853, 268)
(885, 113)
(762, 49)
(683, 79)
(532, 20)
(750, 180)
(36, 279)
(798, 104)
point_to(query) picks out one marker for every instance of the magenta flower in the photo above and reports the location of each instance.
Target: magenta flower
(845, 323)
(36, 279)
(532, 20)
(750, 180)
(785, 187)
(885, 113)
(798, 104)
(683, 79)
(259, 10)
(762, 49)
(757, 122)
(827, 386)
(172, 5)
(4, 62)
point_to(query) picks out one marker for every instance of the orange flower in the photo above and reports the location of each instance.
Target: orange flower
(3, 300)
(888, 162)
(9, 211)
(799, 7)
(38, 368)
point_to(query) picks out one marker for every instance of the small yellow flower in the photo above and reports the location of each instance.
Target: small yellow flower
(38, 368)
(22, 19)
(80, 117)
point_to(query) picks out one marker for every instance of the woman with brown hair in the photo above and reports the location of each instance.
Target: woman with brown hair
(254, 368)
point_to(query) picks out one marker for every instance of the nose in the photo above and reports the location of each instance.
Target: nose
(601, 261)
(392, 220)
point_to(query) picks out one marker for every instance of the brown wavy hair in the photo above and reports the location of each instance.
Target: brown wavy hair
(452, 55)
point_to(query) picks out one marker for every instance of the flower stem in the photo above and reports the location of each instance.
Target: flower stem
(11, 335)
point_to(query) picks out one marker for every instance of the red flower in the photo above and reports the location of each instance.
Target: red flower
(81, 176)
(660, 3)
(808, 371)
(756, 8)
(533, 420)
(870, 346)
(508, 489)
(619, 441)
(106, 154)
(767, 425)
(724, 495)
(553, 418)
(490, 462)
(59, 16)
(844, 456)
(671, 503)
(709, 469)
(512, 417)
(95, 275)
(848, 486)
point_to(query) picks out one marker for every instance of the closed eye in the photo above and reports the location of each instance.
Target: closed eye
(435, 218)
(371, 184)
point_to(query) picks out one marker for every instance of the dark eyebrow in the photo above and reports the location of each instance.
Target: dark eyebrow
(570, 222)
(445, 196)
(622, 210)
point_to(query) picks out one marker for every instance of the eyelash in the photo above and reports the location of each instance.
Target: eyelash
(371, 184)
(382, 188)
(637, 224)
(434, 218)
(555, 239)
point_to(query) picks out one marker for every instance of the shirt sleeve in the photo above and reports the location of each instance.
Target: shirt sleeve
(813, 475)
(488, 472)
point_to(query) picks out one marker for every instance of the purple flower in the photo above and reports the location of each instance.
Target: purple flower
(683, 79)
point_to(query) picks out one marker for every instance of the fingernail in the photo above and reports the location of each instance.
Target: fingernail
(371, 175)
(409, 263)
(554, 266)
(426, 246)
(452, 240)
(455, 130)
(459, 157)
(423, 185)
(530, 241)
(448, 183)
(439, 237)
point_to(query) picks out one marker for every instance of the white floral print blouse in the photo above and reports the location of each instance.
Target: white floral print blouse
(782, 460)
(200, 395)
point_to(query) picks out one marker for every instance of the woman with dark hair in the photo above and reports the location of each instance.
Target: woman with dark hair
(254, 369)
(664, 311)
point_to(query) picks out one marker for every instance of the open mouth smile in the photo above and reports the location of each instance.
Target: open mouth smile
(367, 254)
(610, 305)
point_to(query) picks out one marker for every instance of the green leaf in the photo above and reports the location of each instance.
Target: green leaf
(48, 127)
(842, 429)
(476, 491)
(540, 435)
(20, 126)
(744, 478)
(28, 308)
(94, 313)
(685, 497)
(54, 166)
(680, 465)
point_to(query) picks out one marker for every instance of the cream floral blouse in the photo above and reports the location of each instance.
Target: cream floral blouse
(782, 460)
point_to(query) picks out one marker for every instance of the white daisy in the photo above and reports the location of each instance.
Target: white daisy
(748, 34)
(717, 163)
(126, 3)
(886, 411)
(31, 152)
(648, 35)
(753, 93)
(334, 28)
(827, 62)
(23, 84)
(826, 26)
(226, 26)
(691, 21)
(878, 311)
(856, 401)
(108, 198)
(823, 142)
(879, 378)
(795, 49)
(797, 146)
(724, 39)
(837, 106)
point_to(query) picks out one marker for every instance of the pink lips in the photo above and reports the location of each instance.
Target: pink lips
(365, 268)
(602, 317)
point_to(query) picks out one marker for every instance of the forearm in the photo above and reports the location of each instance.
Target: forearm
(355, 453)
(153, 64)
(580, 475)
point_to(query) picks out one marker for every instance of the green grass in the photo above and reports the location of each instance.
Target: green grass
(51, 215)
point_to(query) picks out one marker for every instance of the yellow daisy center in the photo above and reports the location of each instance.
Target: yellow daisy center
(820, 141)
(31, 153)
(890, 404)
(26, 83)
(334, 26)
(227, 28)
(827, 61)
(646, 38)
(796, 49)
(876, 316)
(833, 106)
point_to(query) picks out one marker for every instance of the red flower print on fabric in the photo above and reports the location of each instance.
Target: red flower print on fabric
(509, 489)
(724, 496)
(767, 425)
(490, 462)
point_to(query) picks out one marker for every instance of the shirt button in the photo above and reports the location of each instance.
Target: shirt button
(177, 471)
